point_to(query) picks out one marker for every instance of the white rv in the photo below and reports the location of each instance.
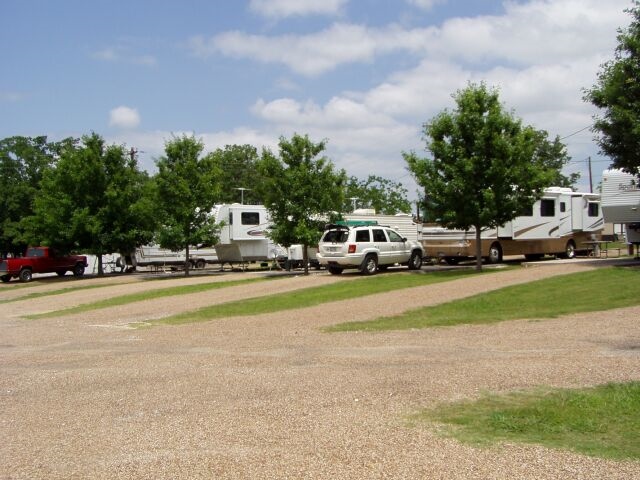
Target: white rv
(402, 223)
(244, 235)
(621, 202)
(560, 223)
(242, 239)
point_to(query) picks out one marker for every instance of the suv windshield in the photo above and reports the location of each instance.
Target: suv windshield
(336, 236)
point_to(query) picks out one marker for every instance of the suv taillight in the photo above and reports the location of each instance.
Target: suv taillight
(352, 248)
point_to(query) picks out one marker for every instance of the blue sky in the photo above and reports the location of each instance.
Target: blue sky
(363, 74)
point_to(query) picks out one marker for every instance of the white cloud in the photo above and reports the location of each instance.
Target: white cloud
(124, 117)
(539, 31)
(425, 4)
(288, 8)
(121, 54)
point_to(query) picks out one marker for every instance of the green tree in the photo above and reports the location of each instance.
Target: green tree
(617, 94)
(299, 190)
(187, 187)
(385, 196)
(239, 180)
(23, 161)
(553, 156)
(481, 173)
(92, 201)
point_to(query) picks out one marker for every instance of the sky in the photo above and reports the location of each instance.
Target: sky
(364, 75)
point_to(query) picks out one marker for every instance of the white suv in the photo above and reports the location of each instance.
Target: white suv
(367, 248)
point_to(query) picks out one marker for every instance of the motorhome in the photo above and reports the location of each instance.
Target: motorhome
(561, 223)
(621, 202)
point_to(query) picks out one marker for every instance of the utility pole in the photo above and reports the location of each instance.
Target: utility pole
(590, 178)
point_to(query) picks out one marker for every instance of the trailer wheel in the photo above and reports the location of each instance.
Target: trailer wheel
(25, 275)
(570, 250)
(200, 263)
(495, 253)
(370, 265)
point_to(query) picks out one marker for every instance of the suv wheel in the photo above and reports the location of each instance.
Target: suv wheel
(415, 262)
(369, 266)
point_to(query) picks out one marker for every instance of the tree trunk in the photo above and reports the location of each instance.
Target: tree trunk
(100, 266)
(186, 262)
(305, 259)
(478, 248)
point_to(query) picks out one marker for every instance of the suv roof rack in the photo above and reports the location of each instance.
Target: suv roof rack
(346, 224)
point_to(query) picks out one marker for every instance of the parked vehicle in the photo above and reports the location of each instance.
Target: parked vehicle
(561, 223)
(368, 247)
(621, 202)
(242, 239)
(41, 260)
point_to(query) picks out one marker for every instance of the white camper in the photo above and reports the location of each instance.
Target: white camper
(244, 235)
(242, 239)
(621, 202)
(402, 223)
(560, 223)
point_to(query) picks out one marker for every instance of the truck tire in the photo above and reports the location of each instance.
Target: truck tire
(78, 270)
(415, 262)
(370, 265)
(26, 275)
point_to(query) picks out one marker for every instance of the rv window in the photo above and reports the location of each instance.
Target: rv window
(563, 207)
(593, 209)
(250, 218)
(379, 236)
(363, 236)
(547, 208)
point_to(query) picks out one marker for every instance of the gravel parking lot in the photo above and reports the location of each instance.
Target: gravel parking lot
(271, 396)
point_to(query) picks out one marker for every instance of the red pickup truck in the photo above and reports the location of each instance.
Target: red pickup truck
(41, 260)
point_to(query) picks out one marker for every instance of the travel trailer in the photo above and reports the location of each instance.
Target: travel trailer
(242, 239)
(621, 202)
(561, 223)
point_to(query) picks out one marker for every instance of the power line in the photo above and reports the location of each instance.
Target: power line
(575, 133)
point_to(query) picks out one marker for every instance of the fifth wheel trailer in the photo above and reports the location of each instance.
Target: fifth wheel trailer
(560, 223)
(621, 202)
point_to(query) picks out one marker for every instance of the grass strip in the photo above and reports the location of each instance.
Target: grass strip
(312, 296)
(602, 421)
(142, 296)
(31, 296)
(595, 290)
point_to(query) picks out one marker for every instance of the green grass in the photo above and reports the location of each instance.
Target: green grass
(603, 421)
(30, 296)
(139, 297)
(596, 290)
(315, 296)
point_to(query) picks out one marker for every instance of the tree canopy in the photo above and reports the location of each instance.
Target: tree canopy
(92, 201)
(383, 195)
(617, 95)
(23, 162)
(187, 187)
(239, 179)
(483, 170)
(299, 190)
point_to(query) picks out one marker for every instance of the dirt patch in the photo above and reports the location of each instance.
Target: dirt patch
(272, 396)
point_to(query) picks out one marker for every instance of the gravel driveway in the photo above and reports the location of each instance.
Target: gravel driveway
(271, 396)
